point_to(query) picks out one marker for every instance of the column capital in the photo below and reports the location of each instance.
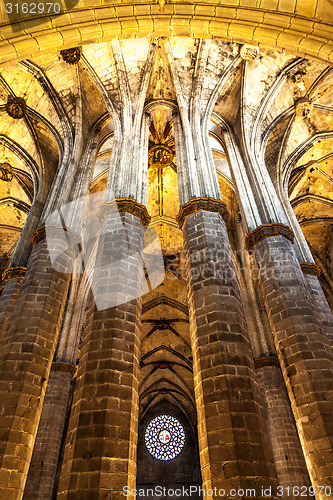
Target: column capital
(53, 231)
(13, 273)
(310, 268)
(60, 366)
(197, 204)
(125, 205)
(267, 230)
(267, 361)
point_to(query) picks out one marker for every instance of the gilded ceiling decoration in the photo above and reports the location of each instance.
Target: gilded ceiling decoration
(71, 56)
(16, 107)
(6, 172)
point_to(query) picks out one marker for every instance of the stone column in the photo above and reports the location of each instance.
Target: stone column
(302, 345)
(100, 452)
(45, 456)
(310, 269)
(13, 276)
(287, 452)
(233, 443)
(288, 455)
(26, 352)
(301, 342)
(12, 279)
(312, 272)
(44, 460)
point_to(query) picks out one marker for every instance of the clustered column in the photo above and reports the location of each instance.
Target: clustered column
(45, 456)
(100, 452)
(234, 448)
(302, 344)
(312, 273)
(288, 455)
(26, 352)
(300, 336)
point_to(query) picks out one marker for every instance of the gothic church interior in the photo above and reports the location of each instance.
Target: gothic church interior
(203, 165)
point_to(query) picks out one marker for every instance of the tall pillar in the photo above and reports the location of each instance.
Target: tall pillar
(12, 279)
(233, 443)
(45, 456)
(13, 276)
(302, 344)
(26, 352)
(288, 455)
(310, 270)
(100, 452)
(45, 460)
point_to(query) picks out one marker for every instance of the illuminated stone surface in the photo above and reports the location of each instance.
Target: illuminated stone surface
(165, 108)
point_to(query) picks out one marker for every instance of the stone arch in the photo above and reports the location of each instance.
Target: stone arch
(302, 28)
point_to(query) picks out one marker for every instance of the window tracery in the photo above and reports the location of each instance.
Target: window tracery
(164, 437)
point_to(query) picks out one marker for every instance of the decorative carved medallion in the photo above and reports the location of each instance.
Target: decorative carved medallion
(6, 173)
(267, 230)
(16, 107)
(13, 273)
(198, 204)
(160, 156)
(71, 56)
(249, 52)
(310, 268)
(303, 107)
(58, 366)
(125, 205)
(267, 361)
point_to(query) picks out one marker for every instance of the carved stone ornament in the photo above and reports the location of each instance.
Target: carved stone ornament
(197, 204)
(71, 56)
(125, 205)
(13, 273)
(303, 107)
(266, 231)
(6, 173)
(249, 52)
(310, 268)
(16, 107)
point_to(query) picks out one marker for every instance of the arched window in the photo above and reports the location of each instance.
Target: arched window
(164, 437)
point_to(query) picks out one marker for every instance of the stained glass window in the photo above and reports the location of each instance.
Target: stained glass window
(164, 437)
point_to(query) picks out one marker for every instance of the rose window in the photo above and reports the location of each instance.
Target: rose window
(165, 437)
